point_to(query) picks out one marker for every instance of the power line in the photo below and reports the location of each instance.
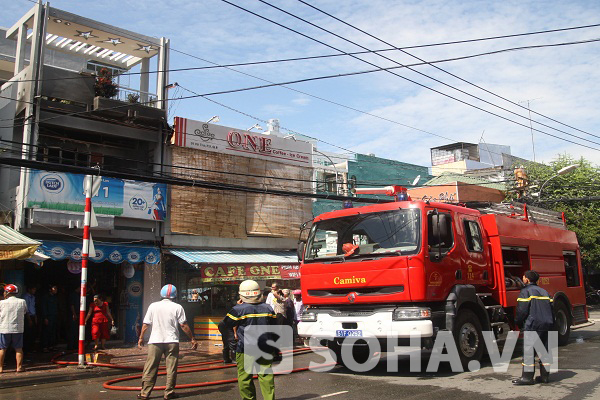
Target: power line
(403, 77)
(320, 140)
(236, 90)
(47, 166)
(379, 69)
(20, 153)
(410, 80)
(585, 199)
(293, 59)
(282, 84)
(447, 72)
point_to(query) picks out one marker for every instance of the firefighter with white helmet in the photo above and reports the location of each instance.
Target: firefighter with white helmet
(251, 312)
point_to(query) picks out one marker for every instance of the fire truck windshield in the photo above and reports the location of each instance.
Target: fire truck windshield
(383, 234)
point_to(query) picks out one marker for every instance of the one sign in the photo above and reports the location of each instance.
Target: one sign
(118, 197)
(221, 139)
(227, 273)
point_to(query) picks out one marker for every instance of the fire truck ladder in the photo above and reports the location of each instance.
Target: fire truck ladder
(522, 211)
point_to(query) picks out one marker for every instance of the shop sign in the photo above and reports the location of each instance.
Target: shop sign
(104, 252)
(118, 197)
(226, 273)
(221, 139)
(290, 271)
(18, 254)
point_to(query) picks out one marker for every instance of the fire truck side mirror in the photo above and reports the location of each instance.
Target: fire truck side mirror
(300, 250)
(439, 227)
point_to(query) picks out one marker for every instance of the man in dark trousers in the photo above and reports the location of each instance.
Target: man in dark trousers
(49, 311)
(534, 314)
(164, 317)
(251, 313)
(229, 342)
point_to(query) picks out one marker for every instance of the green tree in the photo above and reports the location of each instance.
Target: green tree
(582, 216)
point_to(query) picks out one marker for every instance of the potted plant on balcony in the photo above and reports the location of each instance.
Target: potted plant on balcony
(104, 86)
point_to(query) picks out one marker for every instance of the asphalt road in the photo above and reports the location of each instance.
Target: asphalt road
(578, 378)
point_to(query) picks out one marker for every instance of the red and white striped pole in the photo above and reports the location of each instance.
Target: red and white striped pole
(84, 264)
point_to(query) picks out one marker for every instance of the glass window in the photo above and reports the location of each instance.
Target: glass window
(384, 233)
(473, 236)
(571, 269)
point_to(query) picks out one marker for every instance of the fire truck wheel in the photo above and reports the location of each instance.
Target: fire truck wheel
(360, 354)
(468, 337)
(562, 323)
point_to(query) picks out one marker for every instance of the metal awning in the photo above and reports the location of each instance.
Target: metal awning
(15, 245)
(72, 34)
(195, 256)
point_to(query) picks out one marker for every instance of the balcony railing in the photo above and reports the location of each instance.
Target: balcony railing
(136, 96)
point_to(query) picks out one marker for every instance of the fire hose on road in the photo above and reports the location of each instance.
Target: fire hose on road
(182, 369)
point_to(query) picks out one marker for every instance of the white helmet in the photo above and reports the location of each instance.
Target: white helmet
(250, 292)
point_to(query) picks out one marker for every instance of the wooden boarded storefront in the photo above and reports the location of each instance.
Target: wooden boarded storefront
(214, 153)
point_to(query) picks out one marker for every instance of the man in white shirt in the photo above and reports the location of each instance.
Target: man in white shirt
(273, 295)
(12, 324)
(165, 317)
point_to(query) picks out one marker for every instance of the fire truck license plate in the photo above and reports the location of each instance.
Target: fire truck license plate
(348, 332)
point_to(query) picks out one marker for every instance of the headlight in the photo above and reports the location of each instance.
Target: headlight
(401, 314)
(308, 317)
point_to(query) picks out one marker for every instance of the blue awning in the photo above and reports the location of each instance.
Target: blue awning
(114, 253)
(196, 256)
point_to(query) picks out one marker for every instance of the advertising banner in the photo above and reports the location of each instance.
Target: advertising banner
(116, 254)
(226, 273)
(118, 197)
(221, 139)
(132, 299)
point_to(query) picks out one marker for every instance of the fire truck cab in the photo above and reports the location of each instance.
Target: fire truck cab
(414, 266)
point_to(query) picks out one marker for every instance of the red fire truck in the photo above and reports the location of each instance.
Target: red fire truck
(405, 266)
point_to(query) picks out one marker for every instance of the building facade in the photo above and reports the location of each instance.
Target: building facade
(218, 236)
(71, 102)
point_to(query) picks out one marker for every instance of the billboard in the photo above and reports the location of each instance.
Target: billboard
(221, 139)
(122, 198)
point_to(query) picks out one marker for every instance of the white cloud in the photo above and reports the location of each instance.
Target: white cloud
(301, 101)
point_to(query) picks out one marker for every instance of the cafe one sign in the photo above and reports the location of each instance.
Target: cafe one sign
(224, 273)
(209, 137)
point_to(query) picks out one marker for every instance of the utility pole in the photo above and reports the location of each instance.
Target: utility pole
(531, 128)
(530, 124)
(85, 250)
(91, 185)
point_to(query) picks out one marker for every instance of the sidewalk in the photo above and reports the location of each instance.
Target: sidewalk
(40, 369)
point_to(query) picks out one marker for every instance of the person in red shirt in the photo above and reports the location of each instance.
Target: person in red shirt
(101, 316)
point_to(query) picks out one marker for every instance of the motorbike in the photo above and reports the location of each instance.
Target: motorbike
(592, 296)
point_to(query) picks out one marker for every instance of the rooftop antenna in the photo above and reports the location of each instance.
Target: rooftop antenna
(530, 126)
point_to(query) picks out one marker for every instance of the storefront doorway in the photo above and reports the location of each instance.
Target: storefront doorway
(104, 279)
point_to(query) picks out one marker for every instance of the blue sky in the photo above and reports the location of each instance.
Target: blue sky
(559, 82)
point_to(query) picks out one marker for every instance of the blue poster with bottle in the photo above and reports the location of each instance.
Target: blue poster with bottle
(132, 300)
(118, 197)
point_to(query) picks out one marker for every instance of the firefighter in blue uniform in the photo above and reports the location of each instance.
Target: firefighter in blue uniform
(229, 342)
(251, 312)
(534, 314)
